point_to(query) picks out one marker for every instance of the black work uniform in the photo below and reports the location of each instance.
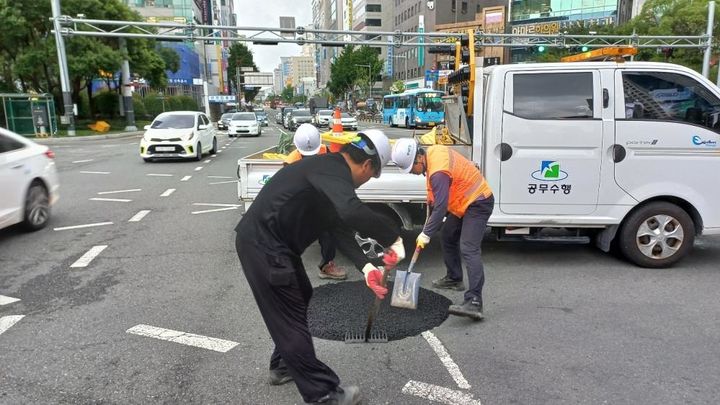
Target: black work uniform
(299, 202)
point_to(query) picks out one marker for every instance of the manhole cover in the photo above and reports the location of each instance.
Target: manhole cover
(341, 307)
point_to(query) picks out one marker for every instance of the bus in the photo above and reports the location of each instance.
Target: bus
(414, 108)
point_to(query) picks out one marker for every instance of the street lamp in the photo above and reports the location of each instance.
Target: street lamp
(369, 78)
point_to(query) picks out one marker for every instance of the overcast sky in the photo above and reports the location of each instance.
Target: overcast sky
(266, 13)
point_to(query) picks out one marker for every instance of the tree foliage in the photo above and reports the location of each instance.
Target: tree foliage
(347, 72)
(241, 56)
(287, 93)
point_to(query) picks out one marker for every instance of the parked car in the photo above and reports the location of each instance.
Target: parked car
(245, 123)
(28, 180)
(224, 121)
(178, 134)
(286, 117)
(323, 118)
(299, 117)
(262, 117)
(349, 122)
(280, 116)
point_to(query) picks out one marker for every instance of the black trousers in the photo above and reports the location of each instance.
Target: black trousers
(282, 291)
(327, 248)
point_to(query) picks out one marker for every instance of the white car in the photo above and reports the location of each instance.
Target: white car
(323, 118)
(28, 180)
(244, 123)
(348, 121)
(178, 134)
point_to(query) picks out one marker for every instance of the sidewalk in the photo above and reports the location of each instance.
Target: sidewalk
(115, 135)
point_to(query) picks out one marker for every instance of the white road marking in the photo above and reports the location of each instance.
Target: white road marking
(159, 175)
(220, 177)
(190, 339)
(207, 161)
(83, 161)
(139, 216)
(224, 182)
(65, 228)
(438, 394)
(197, 169)
(119, 191)
(4, 300)
(238, 147)
(6, 322)
(167, 192)
(85, 172)
(448, 362)
(217, 205)
(213, 155)
(214, 210)
(89, 256)
(110, 199)
(219, 151)
(186, 178)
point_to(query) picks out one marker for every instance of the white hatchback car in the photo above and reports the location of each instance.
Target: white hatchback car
(244, 123)
(348, 121)
(28, 180)
(178, 134)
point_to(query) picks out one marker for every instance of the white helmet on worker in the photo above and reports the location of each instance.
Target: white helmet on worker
(403, 154)
(381, 146)
(307, 140)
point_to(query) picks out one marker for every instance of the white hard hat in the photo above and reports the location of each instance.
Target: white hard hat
(381, 146)
(307, 140)
(403, 154)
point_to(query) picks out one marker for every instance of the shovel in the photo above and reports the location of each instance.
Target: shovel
(407, 285)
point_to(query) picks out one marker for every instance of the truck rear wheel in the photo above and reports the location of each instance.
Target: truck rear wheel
(657, 235)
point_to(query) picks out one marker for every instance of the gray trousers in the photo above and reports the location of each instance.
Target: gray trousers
(462, 238)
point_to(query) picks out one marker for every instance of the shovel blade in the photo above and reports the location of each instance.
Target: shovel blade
(405, 290)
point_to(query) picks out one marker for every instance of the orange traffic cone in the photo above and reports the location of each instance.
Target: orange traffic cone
(337, 130)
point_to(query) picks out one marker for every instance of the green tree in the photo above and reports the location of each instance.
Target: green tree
(241, 56)
(288, 93)
(398, 86)
(346, 75)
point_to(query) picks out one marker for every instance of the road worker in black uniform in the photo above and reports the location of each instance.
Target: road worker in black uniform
(300, 202)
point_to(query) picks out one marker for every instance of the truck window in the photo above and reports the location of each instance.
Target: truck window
(669, 97)
(550, 96)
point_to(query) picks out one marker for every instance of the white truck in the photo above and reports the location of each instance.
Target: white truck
(603, 151)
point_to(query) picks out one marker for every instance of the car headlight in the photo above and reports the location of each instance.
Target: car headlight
(417, 119)
(192, 135)
(294, 120)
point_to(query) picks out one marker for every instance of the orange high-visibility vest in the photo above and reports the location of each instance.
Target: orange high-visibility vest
(467, 183)
(295, 155)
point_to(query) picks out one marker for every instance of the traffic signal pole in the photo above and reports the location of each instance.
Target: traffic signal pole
(68, 108)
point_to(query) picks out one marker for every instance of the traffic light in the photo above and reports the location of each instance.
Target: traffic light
(585, 49)
(463, 78)
(541, 48)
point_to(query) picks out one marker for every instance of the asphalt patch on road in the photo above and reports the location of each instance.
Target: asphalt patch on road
(337, 308)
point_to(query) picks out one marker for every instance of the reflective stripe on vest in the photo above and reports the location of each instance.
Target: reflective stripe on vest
(467, 183)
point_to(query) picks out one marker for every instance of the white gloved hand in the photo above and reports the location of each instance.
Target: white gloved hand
(422, 240)
(373, 279)
(398, 248)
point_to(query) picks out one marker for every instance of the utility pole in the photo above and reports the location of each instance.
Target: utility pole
(127, 88)
(709, 33)
(68, 107)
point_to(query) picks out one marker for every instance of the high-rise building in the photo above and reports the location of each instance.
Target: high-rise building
(376, 16)
(327, 15)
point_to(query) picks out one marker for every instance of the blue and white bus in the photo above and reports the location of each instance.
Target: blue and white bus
(414, 108)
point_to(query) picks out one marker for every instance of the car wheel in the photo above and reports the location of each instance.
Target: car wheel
(214, 148)
(657, 235)
(37, 207)
(198, 152)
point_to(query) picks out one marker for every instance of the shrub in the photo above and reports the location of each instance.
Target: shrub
(139, 107)
(153, 105)
(106, 104)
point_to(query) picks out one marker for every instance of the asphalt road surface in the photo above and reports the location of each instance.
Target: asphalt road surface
(147, 304)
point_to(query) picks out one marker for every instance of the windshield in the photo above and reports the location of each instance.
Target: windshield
(226, 116)
(345, 115)
(430, 102)
(324, 112)
(301, 113)
(174, 121)
(244, 117)
(261, 114)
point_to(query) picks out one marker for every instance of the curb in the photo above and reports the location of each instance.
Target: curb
(116, 135)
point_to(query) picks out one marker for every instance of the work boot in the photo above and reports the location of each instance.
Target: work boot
(447, 283)
(341, 396)
(331, 271)
(279, 377)
(470, 308)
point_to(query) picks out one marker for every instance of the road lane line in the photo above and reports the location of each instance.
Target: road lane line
(213, 155)
(186, 178)
(89, 256)
(197, 169)
(217, 205)
(119, 191)
(219, 151)
(83, 161)
(167, 192)
(4, 300)
(189, 339)
(224, 182)
(438, 394)
(6, 322)
(220, 177)
(139, 216)
(110, 199)
(207, 161)
(86, 172)
(159, 175)
(65, 228)
(214, 210)
(448, 362)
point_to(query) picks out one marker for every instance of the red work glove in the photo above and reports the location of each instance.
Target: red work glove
(394, 255)
(373, 279)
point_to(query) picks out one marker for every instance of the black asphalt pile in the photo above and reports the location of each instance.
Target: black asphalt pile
(341, 307)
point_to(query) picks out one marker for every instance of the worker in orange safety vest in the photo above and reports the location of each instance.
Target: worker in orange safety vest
(458, 193)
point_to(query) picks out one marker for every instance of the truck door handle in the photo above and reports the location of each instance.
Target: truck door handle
(505, 151)
(606, 98)
(619, 153)
(18, 167)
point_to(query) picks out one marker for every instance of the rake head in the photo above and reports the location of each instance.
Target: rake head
(376, 336)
